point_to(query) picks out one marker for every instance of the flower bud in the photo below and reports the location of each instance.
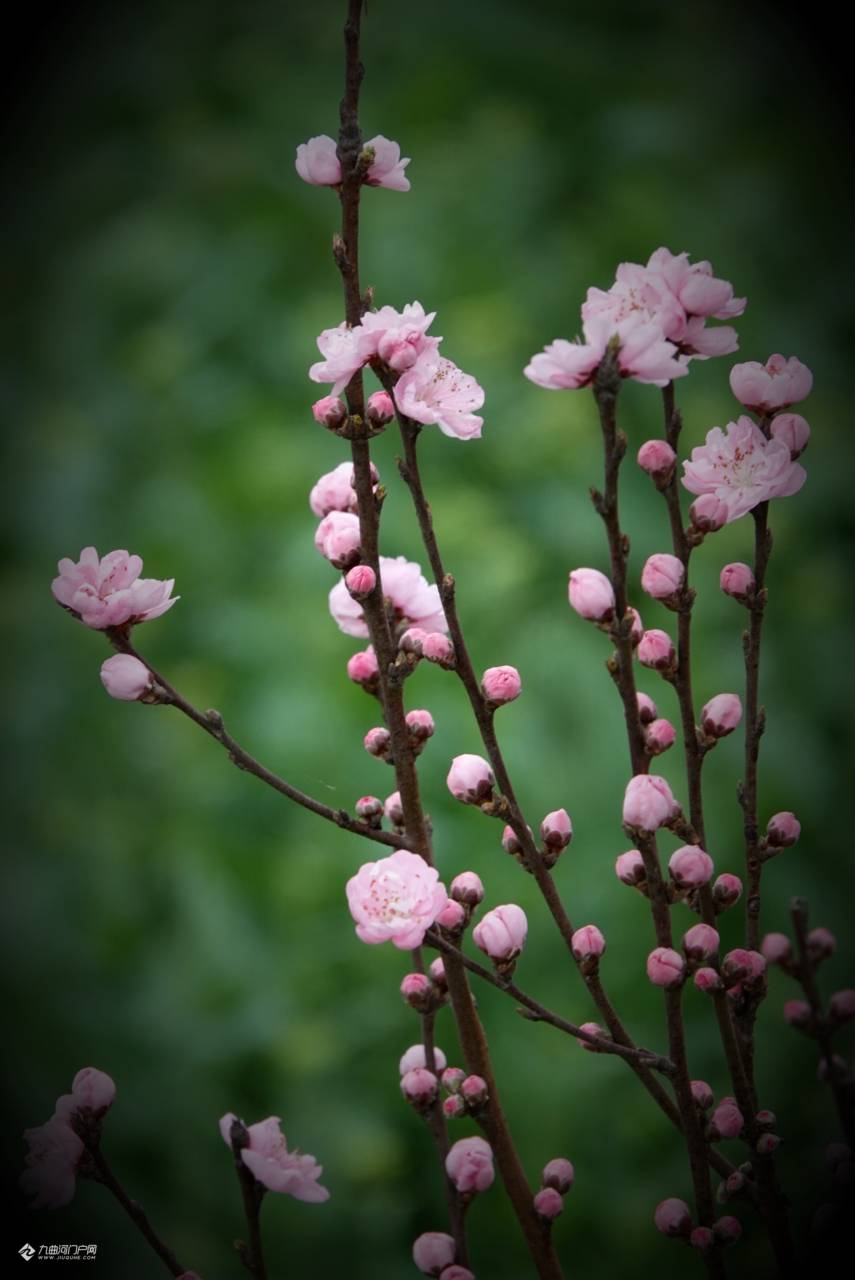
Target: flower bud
(708, 980)
(502, 932)
(436, 970)
(708, 513)
(702, 1239)
(419, 1087)
(379, 409)
(438, 648)
(362, 668)
(665, 967)
(662, 577)
(648, 802)
(726, 1121)
(629, 868)
(636, 630)
(338, 539)
(737, 581)
(821, 943)
(721, 715)
(727, 890)
(647, 711)
(473, 1090)
(672, 1218)
(783, 830)
(452, 918)
(702, 1094)
(798, 1014)
(559, 1174)
(412, 640)
(360, 581)
(470, 779)
(378, 742)
(656, 650)
(700, 942)
(420, 726)
(587, 943)
(452, 1078)
(415, 1057)
(659, 737)
(776, 948)
(456, 1272)
(767, 1144)
(548, 1204)
(556, 830)
(500, 685)
(592, 1029)
(453, 1107)
(469, 1165)
(393, 810)
(792, 430)
(727, 1230)
(125, 677)
(591, 595)
(329, 411)
(841, 1006)
(418, 992)
(732, 1185)
(739, 965)
(510, 841)
(690, 866)
(369, 809)
(766, 1119)
(467, 888)
(433, 1252)
(657, 458)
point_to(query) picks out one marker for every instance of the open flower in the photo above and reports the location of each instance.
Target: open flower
(273, 1165)
(435, 391)
(109, 592)
(387, 167)
(396, 899)
(742, 468)
(643, 353)
(55, 1149)
(413, 600)
(318, 164)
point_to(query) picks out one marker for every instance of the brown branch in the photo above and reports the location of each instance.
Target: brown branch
(754, 724)
(102, 1173)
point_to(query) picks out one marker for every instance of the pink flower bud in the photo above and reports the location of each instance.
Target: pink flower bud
(591, 595)
(737, 581)
(657, 458)
(821, 943)
(362, 668)
(379, 409)
(767, 1144)
(452, 1079)
(656, 650)
(556, 830)
(510, 842)
(436, 969)
(665, 967)
(558, 1174)
(740, 964)
(338, 538)
(420, 725)
(727, 890)
(588, 943)
(91, 1089)
(690, 866)
(727, 1230)
(708, 980)
(548, 1204)
(702, 1239)
(798, 1014)
(361, 581)
(783, 830)
(452, 917)
(672, 1218)
(726, 1121)
(456, 1272)
(412, 640)
(648, 802)
(473, 1090)
(592, 1029)
(437, 648)
(702, 1094)
(659, 737)
(700, 942)
(841, 1006)
(501, 933)
(708, 513)
(433, 1252)
(470, 779)
(776, 948)
(419, 1087)
(647, 711)
(469, 1165)
(453, 1107)
(467, 888)
(637, 628)
(378, 742)
(662, 576)
(369, 809)
(792, 430)
(766, 1119)
(418, 992)
(329, 411)
(125, 677)
(629, 867)
(415, 1058)
(500, 685)
(776, 384)
(392, 809)
(721, 715)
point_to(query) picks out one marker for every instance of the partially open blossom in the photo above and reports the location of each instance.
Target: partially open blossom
(672, 1217)
(776, 948)
(109, 592)
(774, 385)
(665, 967)
(656, 650)
(708, 513)
(690, 866)
(721, 715)
(629, 867)
(556, 830)
(662, 576)
(334, 490)
(727, 1230)
(841, 1006)
(338, 539)
(783, 830)
(591, 595)
(501, 684)
(700, 942)
(415, 1057)
(360, 581)
(648, 802)
(395, 899)
(657, 458)
(318, 163)
(433, 1252)
(737, 580)
(331, 412)
(435, 391)
(362, 668)
(387, 167)
(125, 677)
(559, 1174)
(470, 779)
(452, 917)
(792, 430)
(647, 710)
(469, 1165)
(742, 468)
(708, 979)
(702, 1094)
(419, 1086)
(727, 890)
(273, 1165)
(726, 1121)
(548, 1203)
(378, 742)
(397, 338)
(587, 942)
(412, 600)
(659, 736)
(501, 933)
(379, 408)
(467, 888)
(342, 357)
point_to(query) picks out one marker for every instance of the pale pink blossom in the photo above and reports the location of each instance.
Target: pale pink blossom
(502, 932)
(398, 338)
(52, 1160)
(672, 1217)
(501, 684)
(109, 592)
(642, 354)
(435, 391)
(317, 162)
(338, 538)
(708, 513)
(437, 648)
(548, 1203)
(741, 468)
(737, 580)
(648, 802)
(470, 779)
(665, 967)
(469, 1165)
(774, 385)
(413, 600)
(415, 1057)
(657, 458)
(329, 411)
(342, 357)
(629, 867)
(662, 576)
(656, 650)
(559, 1174)
(125, 677)
(783, 830)
(690, 866)
(387, 167)
(433, 1252)
(591, 594)
(721, 715)
(334, 491)
(273, 1165)
(792, 430)
(395, 899)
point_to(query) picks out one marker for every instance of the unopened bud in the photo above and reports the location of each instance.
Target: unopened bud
(452, 918)
(659, 736)
(473, 1090)
(783, 830)
(470, 779)
(841, 1006)
(452, 1078)
(360, 581)
(721, 715)
(665, 967)
(629, 867)
(556, 830)
(591, 595)
(370, 810)
(647, 711)
(467, 888)
(657, 458)
(798, 1014)
(548, 1204)
(727, 890)
(708, 513)
(329, 411)
(418, 992)
(453, 1106)
(412, 640)
(727, 1230)
(500, 685)
(362, 669)
(702, 1094)
(656, 650)
(690, 866)
(393, 810)
(437, 648)
(708, 980)
(821, 943)
(672, 1217)
(420, 726)
(378, 742)
(379, 409)
(559, 1174)
(737, 581)
(700, 942)
(419, 1087)
(776, 948)
(702, 1239)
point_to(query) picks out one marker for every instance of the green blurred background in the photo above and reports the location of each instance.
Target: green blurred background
(167, 918)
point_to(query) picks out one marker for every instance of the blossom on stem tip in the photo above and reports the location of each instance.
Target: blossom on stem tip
(395, 899)
(742, 468)
(774, 385)
(125, 677)
(109, 592)
(273, 1165)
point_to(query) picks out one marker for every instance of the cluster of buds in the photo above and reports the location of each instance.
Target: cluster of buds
(466, 1094)
(419, 1084)
(556, 1180)
(434, 1254)
(434, 646)
(673, 1218)
(425, 992)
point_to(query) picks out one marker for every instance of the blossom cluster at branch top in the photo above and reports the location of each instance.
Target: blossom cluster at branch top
(55, 1148)
(109, 592)
(741, 468)
(656, 316)
(318, 164)
(272, 1164)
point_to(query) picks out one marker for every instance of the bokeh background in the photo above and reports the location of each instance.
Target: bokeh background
(167, 918)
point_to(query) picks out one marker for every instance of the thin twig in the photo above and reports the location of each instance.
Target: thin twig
(104, 1174)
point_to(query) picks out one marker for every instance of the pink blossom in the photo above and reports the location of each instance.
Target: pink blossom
(721, 715)
(672, 1217)
(387, 167)
(741, 964)
(548, 1203)
(52, 1159)
(662, 576)
(708, 513)
(396, 899)
(690, 866)
(708, 979)
(433, 1252)
(435, 391)
(792, 430)
(737, 580)
(700, 942)
(417, 989)
(334, 491)
(656, 650)
(774, 385)
(342, 357)
(125, 677)
(452, 1079)
(727, 890)
(474, 1090)
(338, 538)
(469, 1165)
(642, 354)
(501, 684)
(397, 338)
(783, 830)
(502, 932)
(727, 1120)
(665, 967)
(776, 948)
(362, 668)
(330, 412)
(467, 888)
(378, 742)
(379, 408)
(420, 724)
(659, 736)
(558, 1173)
(648, 802)
(411, 598)
(109, 592)
(453, 1107)
(742, 468)
(629, 867)
(587, 942)
(318, 163)
(273, 1165)
(591, 595)
(556, 830)
(470, 779)
(415, 1057)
